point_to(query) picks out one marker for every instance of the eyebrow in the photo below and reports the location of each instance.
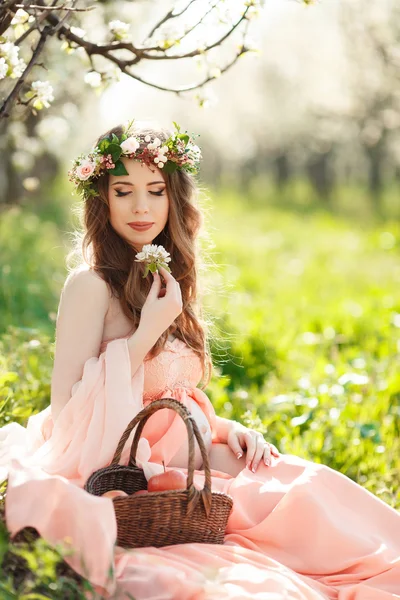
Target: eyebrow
(132, 184)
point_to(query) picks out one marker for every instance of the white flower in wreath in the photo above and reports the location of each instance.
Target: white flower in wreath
(130, 145)
(85, 169)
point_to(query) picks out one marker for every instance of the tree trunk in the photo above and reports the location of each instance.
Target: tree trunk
(320, 176)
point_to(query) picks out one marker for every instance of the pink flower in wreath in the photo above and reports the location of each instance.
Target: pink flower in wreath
(85, 170)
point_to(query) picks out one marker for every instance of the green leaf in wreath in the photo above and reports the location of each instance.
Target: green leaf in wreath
(115, 151)
(119, 169)
(184, 137)
(114, 139)
(103, 145)
(170, 166)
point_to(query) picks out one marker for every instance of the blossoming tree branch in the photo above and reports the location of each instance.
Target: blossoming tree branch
(26, 28)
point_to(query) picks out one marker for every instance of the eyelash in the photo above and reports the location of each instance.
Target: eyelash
(120, 194)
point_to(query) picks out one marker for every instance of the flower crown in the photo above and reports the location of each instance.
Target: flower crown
(177, 152)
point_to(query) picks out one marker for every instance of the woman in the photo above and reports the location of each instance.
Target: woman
(297, 529)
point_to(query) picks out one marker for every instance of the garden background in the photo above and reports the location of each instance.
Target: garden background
(300, 189)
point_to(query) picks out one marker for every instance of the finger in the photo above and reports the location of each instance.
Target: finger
(155, 287)
(274, 451)
(166, 274)
(170, 282)
(235, 443)
(236, 447)
(258, 454)
(251, 446)
(267, 455)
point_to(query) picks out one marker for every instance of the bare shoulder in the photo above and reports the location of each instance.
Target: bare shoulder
(85, 280)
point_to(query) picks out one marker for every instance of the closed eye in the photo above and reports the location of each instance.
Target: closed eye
(119, 193)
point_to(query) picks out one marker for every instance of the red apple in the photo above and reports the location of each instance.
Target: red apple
(169, 480)
(114, 494)
(140, 493)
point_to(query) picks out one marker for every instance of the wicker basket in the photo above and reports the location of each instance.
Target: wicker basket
(168, 517)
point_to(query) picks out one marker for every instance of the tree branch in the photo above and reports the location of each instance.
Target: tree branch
(56, 26)
(14, 93)
(187, 88)
(51, 8)
(168, 16)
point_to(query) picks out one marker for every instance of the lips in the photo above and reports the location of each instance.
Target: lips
(140, 227)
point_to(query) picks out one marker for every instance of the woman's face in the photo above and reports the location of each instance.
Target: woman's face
(139, 196)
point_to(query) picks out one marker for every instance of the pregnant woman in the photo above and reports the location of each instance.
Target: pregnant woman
(125, 337)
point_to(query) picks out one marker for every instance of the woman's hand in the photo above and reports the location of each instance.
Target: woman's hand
(162, 305)
(240, 438)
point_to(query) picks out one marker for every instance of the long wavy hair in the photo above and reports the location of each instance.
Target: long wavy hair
(112, 257)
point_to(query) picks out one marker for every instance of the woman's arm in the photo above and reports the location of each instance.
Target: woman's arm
(79, 332)
(224, 426)
(79, 329)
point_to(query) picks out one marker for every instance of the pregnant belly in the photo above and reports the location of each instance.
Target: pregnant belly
(181, 458)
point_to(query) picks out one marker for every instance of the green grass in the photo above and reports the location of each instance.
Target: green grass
(306, 335)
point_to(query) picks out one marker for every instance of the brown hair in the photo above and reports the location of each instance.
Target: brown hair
(112, 258)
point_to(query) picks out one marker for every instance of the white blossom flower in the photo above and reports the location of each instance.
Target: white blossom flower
(3, 67)
(77, 31)
(93, 78)
(21, 17)
(44, 92)
(130, 145)
(153, 255)
(19, 68)
(119, 28)
(85, 169)
(10, 52)
(215, 72)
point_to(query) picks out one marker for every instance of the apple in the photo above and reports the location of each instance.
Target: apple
(114, 494)
(169, 480)
(140, 493)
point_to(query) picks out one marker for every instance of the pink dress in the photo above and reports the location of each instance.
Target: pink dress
(298, 530)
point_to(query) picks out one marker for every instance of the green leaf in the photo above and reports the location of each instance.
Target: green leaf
(119, 169)
(103, 145)
(184, 137)
(115, 151)
(146, 271)
(170, 166)
(162, 264)
(176, 126)
(114, 139)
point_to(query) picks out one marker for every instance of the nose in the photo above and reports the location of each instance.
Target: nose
(140, 202)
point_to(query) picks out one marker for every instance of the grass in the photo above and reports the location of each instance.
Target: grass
(306, 338)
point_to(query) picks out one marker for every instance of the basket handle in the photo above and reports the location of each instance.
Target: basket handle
(192, 428)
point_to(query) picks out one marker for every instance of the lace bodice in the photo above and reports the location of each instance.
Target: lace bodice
(175, 373)
(176, 366)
